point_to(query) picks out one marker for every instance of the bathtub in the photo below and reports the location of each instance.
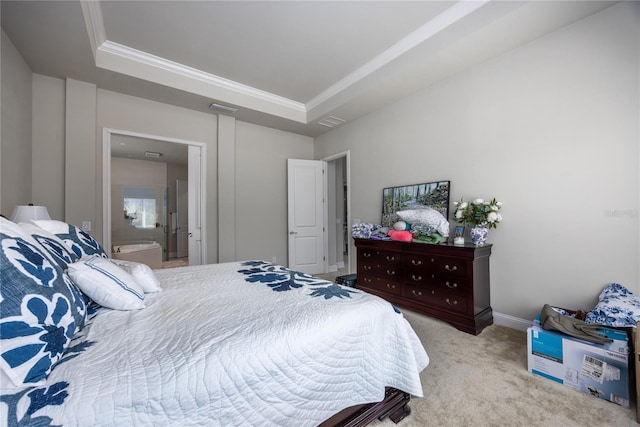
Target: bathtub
(146, 252)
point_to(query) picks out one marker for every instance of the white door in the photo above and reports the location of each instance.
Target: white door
(182, 220)
(194, 206)
(307, 216)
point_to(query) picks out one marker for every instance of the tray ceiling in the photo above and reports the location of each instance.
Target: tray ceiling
(284, 64)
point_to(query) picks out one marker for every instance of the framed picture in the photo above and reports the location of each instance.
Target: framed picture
(433, 195)
(458, 235)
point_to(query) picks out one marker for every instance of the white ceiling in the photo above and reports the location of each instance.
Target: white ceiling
(284, 64)
(135, 147)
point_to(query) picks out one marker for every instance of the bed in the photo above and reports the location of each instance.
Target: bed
(240, 343)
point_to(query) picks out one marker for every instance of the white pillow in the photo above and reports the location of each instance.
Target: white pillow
(427, 216)
(106, 283)
(142, 273)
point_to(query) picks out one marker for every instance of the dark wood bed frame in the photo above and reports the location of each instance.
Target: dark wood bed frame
(395, 406)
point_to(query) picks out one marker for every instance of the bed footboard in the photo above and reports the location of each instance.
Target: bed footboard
(395, 405)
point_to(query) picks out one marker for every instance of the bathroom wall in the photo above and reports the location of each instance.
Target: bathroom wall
(140, 174)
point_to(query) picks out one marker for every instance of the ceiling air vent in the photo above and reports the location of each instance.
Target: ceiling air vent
(331, 122)
(223, 108)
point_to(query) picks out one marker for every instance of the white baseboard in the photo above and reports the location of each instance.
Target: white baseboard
(511, 321)
(332, 268)
(340, 265)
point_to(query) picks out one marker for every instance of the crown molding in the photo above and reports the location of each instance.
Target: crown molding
(143, 65)
(92, 13)
(126, 60)
(182, 71)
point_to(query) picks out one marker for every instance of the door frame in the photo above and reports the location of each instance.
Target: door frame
(106, 182)
(347, 156)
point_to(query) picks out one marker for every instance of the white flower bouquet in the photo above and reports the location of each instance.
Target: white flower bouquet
(478, 213)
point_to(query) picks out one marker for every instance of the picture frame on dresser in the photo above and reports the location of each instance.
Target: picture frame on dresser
(458, 235)
(434, 195)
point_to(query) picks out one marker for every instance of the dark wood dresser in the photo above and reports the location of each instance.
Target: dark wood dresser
(444, 281)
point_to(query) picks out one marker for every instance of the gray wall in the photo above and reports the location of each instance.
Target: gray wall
(551, 130)
(15, 134)
(261, 189)
(49, 144)
(67, 119)
(128, 113)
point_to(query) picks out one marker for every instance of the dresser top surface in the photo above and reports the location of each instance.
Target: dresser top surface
(422, 247)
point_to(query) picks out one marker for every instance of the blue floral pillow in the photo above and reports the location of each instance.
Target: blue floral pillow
(59, 251)
(40, 308)
(80, 242)
(617, 306)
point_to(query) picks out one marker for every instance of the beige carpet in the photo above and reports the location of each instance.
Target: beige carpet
(483, 381)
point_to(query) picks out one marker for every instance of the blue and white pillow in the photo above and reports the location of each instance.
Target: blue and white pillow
(40, 309)
(79, 241)
(617, 306)
(59, 251)
(363, 230)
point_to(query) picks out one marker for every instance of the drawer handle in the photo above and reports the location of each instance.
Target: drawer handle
(416, 278)
(390, 286)
(455, 301)
(451, 285)
(366, 254)
(366, 267)
(391, 272)
(391, 258)
(454, 268)
(368, 280)
(416, 262)
(418, 294)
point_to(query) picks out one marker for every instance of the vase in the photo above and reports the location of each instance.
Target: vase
(479, 235)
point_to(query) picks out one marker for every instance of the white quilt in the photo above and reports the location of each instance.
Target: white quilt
(235, 344)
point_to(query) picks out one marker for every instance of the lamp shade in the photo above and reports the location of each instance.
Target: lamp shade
(27, 213)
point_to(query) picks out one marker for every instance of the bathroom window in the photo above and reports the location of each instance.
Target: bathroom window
(140, 212)
(140, 208)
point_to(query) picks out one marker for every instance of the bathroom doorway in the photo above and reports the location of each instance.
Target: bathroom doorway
(150, 208)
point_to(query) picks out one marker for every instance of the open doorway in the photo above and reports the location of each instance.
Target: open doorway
(339, 213)
(152, 199)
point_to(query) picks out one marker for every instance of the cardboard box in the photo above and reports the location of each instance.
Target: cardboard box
(598, 369)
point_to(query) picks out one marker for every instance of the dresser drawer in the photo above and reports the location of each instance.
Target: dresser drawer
(389, 271)
(446, 266)
(435, 263)
(373, 255)
(380, 284)
(448, 301)
(439, 282)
